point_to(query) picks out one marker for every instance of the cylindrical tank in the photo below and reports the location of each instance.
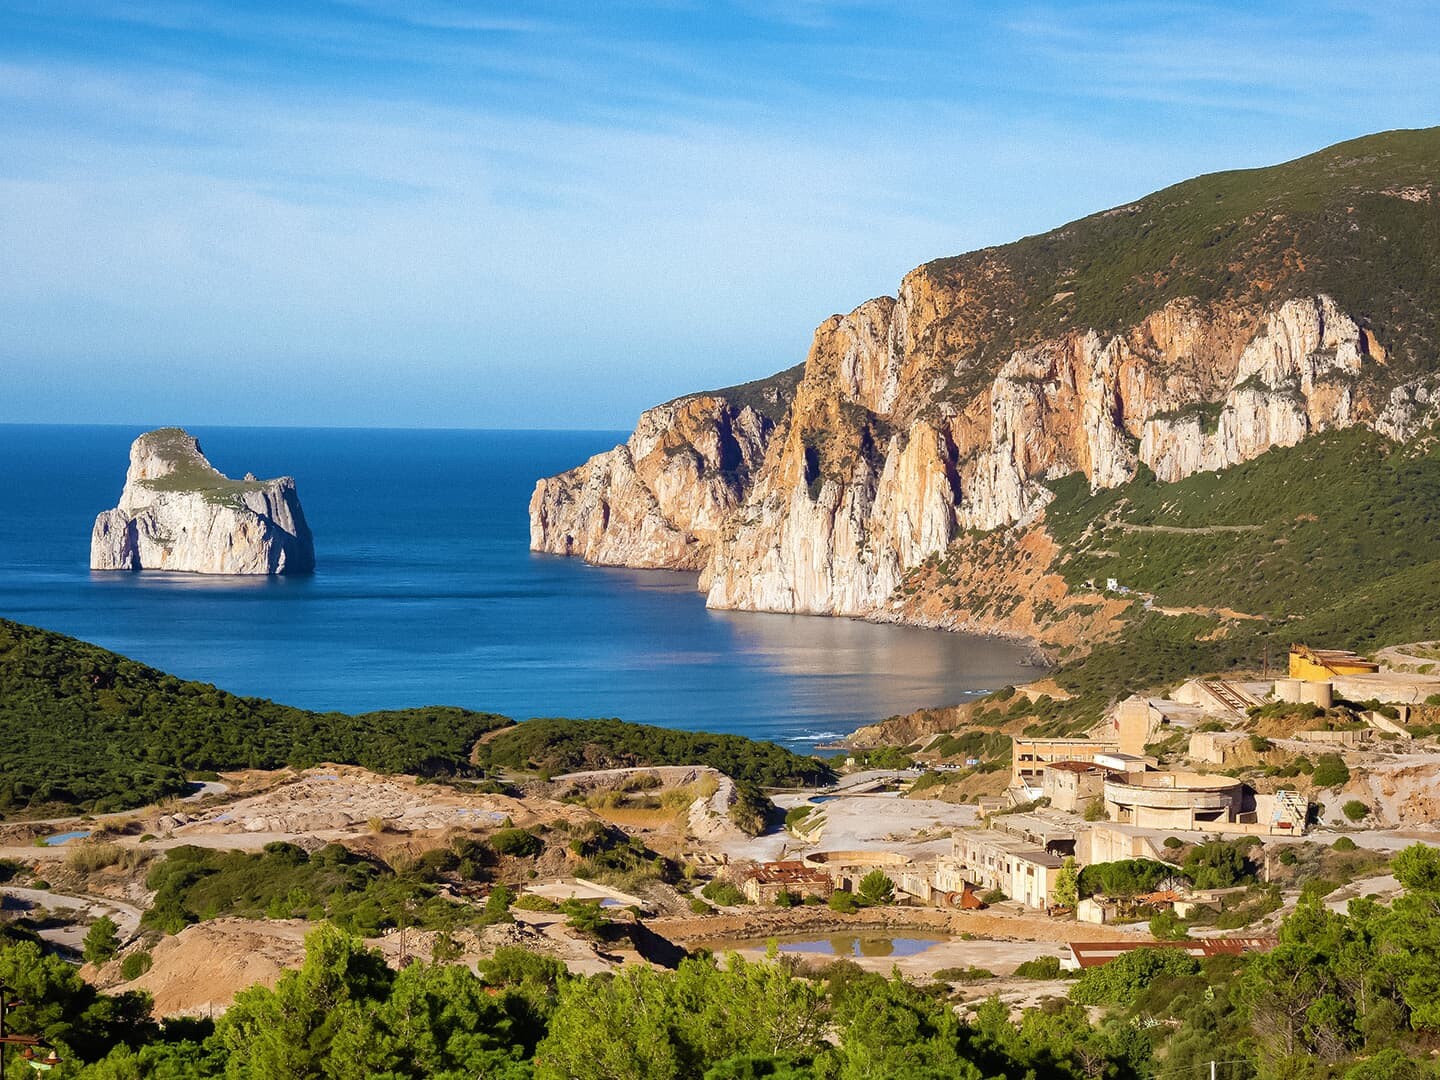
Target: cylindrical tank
(1288, 690)
(1318, 693)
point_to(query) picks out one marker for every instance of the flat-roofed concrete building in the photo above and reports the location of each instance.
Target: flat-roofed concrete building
(1173, 800)
(1029, 756)
(989, 859)
(765, 883)
(1072, 785)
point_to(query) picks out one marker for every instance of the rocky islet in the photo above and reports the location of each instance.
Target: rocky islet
(178, 512)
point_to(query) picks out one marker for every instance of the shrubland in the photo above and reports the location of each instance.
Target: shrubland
(1344, 996)
(86, 728)
(558, 746)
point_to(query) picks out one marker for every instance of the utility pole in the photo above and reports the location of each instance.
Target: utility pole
(1212, 1069)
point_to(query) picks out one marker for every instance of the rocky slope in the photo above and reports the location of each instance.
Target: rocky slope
(1191, 331)
(178, 512)
(658, 499)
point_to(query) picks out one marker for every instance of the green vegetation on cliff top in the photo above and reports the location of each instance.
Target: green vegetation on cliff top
(769, 397)
(189, 470)
(1359, 220)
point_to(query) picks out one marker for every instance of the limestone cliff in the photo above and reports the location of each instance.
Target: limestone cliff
(658, 499)
(1188, 332)
(178, 512)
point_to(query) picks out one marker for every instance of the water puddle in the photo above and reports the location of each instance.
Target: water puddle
(852, 945)
(66, 837)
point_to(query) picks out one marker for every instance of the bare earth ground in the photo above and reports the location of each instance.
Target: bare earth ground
(199, 970)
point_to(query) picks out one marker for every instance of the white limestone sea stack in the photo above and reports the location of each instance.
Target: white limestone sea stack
(178, 512)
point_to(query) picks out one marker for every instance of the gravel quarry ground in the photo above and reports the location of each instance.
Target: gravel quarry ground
(198, 970)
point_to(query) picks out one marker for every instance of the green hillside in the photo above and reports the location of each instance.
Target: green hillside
(85, 727)
(1359, 220)
(1335, 541)
(571, 745)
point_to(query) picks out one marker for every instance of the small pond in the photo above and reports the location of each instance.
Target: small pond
(65, 837)
(872, 945)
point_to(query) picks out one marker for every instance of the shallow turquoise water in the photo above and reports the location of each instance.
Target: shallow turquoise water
(426, 592)
(65, 837)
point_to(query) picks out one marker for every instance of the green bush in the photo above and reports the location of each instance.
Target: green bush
(585, 916)
(843, 902)
(135, 965)
(962, 975)
(517, 843)
(1218, 865)
(993, 896)
(700, 907)
(1167, 926)
(1317, 888)
(102, 941)
(1042, 967)
(752, 808)
(1344, 843)
(723, 892)
(1121, 980)
(1095, 810)
(877, 888)
(1173, 842)
(1355, 810)
(1123, 877)
(1330, 771)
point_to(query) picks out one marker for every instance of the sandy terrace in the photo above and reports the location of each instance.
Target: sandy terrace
(347, 799)
(919, 828)
(199, 970)
(760, 922)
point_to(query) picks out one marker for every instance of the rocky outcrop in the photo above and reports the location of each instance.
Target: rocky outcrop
(178, 512)
(659, 498)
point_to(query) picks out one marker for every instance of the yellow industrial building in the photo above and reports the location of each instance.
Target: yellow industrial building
(1322, 665)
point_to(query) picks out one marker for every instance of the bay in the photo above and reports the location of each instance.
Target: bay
(425, 592)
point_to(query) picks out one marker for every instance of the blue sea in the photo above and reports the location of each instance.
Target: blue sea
(426, 593)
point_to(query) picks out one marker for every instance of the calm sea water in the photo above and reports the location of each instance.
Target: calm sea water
(426, 592)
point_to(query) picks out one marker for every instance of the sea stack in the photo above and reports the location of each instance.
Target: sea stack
(178, 512)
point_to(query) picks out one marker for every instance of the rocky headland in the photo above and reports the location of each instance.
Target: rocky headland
(178, 512)
(1188, 332)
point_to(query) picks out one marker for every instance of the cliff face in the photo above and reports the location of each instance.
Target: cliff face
(853, 497)
(177, 512)
(867, 474)
(949, 408)
(657, 500)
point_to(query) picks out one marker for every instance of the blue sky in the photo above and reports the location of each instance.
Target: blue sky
(429, 213)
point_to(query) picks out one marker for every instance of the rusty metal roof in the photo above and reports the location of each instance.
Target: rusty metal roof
(1095, 953)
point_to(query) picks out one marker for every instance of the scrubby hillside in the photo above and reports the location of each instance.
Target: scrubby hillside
(85, 727)
(571, 745)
